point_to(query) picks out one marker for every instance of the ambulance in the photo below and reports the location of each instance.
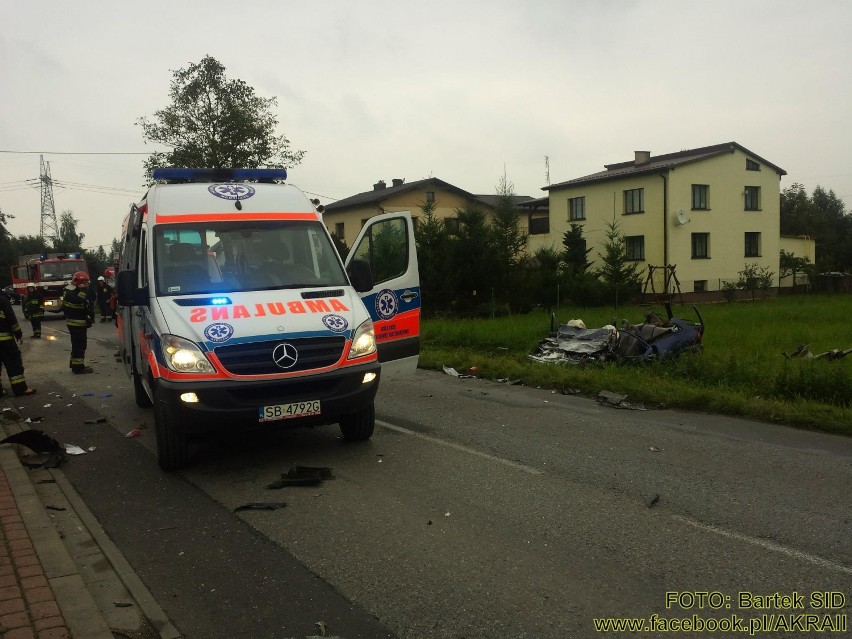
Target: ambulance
(236, 312)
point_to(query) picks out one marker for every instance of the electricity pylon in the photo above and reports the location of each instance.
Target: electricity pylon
(48, 230)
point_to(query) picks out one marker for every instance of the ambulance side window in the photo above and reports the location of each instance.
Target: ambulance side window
(385, 248)
(142, 256)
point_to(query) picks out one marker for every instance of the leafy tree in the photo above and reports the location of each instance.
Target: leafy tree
(472, 258)
(68, 239)
(341, 246)
(214, 121)
(509, 240)
(575, 255)
(755, 278)
(616, 272)
(791, 265)
(823, 218)
(432, 256)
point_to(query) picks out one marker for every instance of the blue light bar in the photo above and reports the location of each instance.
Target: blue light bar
(219, 301)
(176, 174)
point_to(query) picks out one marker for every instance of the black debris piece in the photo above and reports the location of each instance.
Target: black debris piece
(55, 507)
(44, 460)
(36, 440)
(99, 420)
(650, 503)
(303, 476)
(261, 506)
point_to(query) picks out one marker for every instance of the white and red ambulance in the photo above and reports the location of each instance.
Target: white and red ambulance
(236, 311)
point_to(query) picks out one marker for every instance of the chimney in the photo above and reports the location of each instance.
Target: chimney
(642, 157)
(378, 186)
(398, 181)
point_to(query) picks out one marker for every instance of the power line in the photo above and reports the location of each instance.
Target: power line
(80, 152)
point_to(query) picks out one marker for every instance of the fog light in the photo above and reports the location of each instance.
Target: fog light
(368, 377)
(189, 398)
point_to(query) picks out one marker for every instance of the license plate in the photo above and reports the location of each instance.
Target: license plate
(288, 411)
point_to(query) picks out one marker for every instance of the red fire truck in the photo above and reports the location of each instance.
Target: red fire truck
(51, 271)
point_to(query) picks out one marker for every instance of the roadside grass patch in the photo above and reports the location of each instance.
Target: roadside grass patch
(741, 372)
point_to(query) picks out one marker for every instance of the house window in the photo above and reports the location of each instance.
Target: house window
(338, 230)
(451, 224)
(576, 208)
(752, 244)
(699, 286)
(634, 201)
(752, 198)
(539, 225)
(430, 197)
(751, 165)
(634, 247)
(700, 200)
(700, 246)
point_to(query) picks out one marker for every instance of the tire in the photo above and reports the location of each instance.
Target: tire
(139, 394)
(358, 427)
(172, 445)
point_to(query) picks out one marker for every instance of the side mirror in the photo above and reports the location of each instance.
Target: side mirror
(126, 292)
(360, 275)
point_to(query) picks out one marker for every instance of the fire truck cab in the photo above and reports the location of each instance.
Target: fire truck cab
(51, 271)
(235, 310)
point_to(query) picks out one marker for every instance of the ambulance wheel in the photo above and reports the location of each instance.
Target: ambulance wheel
(358, 427)
(172, 445)
(139, 394)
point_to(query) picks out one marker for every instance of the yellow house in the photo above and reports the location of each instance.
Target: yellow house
(707, 212)
(345, 217)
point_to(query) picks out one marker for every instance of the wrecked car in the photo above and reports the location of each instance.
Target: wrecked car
(654, 339)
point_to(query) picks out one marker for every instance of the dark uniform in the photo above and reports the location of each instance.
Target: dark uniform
(104, 295)
(10, 354)
(79, 316)
(33, 305)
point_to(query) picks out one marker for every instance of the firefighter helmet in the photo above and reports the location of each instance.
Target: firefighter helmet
(80, 277)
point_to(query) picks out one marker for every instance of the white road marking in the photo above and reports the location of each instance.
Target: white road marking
(768, 545)
(464, 449)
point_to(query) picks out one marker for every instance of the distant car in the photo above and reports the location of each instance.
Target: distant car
(9, 291)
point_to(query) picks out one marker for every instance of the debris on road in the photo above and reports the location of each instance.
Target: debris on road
(650, 503)
(135, 432)
(454, 373)
(303, 476)
(99, 420)
(261, 506)
(49, 453)
(618, 401)
(73, 449)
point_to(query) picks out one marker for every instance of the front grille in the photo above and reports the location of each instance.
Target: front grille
(256, 358)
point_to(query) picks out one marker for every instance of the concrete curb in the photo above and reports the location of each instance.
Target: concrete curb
(81, 614)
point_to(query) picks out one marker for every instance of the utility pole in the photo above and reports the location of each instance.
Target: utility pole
(49, 229)
(547, 169)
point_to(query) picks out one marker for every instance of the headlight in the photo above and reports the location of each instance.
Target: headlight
(364, 341)
(183, 356)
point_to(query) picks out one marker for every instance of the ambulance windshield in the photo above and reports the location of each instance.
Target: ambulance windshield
(216, 257)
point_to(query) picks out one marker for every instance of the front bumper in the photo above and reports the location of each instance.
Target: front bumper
(233, 405)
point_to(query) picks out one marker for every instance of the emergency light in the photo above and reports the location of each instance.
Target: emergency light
(176, 174)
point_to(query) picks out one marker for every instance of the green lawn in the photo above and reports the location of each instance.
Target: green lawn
(741, 370)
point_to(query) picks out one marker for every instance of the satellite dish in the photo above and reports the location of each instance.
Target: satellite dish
(681, 218)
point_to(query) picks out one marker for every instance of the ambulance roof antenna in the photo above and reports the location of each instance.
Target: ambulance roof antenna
(48, 229)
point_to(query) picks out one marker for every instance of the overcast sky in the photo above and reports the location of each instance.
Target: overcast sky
(460, 90)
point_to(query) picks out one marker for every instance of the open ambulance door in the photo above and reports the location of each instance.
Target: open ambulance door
(386, 243)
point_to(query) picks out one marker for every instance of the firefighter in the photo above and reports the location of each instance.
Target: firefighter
(79, 316)
(10, 355)
(33, 305)
(104, 295)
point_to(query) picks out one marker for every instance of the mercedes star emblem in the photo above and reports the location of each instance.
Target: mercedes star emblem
(285, 355)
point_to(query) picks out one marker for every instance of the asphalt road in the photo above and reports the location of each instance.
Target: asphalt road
(477, 510)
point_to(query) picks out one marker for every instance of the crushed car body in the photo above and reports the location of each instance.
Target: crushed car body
(652, 340)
